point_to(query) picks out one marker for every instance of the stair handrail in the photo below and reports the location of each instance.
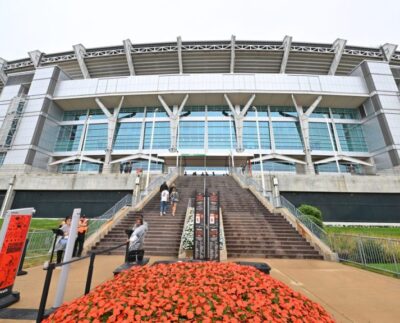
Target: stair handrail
(125, 201)
(249, 181)
(317, 231)
(158, 181)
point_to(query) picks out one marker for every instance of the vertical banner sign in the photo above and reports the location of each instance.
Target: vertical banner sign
(213, 227)
(12, 242)
(199, 227)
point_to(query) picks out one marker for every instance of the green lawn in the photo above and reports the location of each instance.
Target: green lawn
(384, 232)
(41, 224)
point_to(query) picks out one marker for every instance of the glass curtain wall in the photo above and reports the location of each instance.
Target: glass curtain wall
(192, 132)
(127, 136)
(161, 138)
(250, 139)
(287, 135)
(219, 135)
(68, 138)
(191, 135)
(320, 138)
(96, 138)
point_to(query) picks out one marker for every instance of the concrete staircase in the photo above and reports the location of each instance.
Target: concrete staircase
(250, 230)
(164, 235)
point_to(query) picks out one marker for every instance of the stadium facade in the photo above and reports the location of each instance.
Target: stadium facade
(208, 105)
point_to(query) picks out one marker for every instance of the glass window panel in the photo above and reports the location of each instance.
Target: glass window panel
(74, 115)
(318, 112)
(216, 111)
(73, 167)
(283, 112)
(275, 166)
(191, 135)
(287, 135)
(250, 139)
(221, 135)
(96, 138)
(319, 137)
(68, 138)
(161, 138)
(127, 136)
(262, 112)
(161, 113)
(345, 167)
(351, 137)
(195, 111)
(126, 113)
(98, 114)
(344, 113)
(132, 166)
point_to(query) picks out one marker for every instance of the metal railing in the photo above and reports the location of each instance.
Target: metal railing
(157, 182)
(381, 254)
(40, 242)
(250, 181)
(305, 220)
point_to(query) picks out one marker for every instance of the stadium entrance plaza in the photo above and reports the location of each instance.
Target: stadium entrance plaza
(349, 294)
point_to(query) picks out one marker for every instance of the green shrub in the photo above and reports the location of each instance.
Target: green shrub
(311, 210)
(316, 221)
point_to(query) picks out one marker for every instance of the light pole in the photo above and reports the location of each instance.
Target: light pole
(332, 144)
(259, 151)
(151, 147)
(86, 130)
(230, 135)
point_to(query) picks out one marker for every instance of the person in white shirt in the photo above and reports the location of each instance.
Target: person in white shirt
(164, 202)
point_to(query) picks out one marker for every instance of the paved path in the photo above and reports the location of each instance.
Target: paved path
(349, 294)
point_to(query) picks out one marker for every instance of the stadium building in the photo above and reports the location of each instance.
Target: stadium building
(304, 109)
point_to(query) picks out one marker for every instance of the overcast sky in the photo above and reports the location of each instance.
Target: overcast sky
(54, 26)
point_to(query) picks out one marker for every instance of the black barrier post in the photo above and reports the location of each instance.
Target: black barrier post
(21, 264)
(90, 273)
(45, 293)
(127, 252)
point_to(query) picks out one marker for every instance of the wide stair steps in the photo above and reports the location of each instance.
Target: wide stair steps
(250, 229)
(164, 235)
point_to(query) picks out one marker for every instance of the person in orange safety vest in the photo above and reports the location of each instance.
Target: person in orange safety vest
(82, 229)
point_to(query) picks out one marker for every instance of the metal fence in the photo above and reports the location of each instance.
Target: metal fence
(250, 181)
(40, 242)
(377, 253)
(305, 220)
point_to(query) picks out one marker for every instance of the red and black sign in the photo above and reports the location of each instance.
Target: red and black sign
(199, 228)
(206, 227)
(12, 242)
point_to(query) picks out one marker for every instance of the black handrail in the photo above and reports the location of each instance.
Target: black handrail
(52, 266)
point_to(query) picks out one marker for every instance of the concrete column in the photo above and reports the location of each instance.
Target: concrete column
(112, 124)
(3, 76)
(303, 118)
(173, 119)
(238, 116)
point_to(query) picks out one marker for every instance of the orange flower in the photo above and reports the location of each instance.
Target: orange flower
(194, 291)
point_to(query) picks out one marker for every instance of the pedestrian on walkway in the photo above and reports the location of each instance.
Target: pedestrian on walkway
(174, 200)
(62, 240)
(163, 187)
(80, 240)
(164, 201)
(136, 240)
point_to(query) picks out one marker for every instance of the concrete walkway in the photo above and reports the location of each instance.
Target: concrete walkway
(349, 294)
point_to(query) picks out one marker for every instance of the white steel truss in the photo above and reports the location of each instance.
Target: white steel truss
(36, 57)
(203, 46)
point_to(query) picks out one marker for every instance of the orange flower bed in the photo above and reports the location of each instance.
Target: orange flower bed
(203, 292)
